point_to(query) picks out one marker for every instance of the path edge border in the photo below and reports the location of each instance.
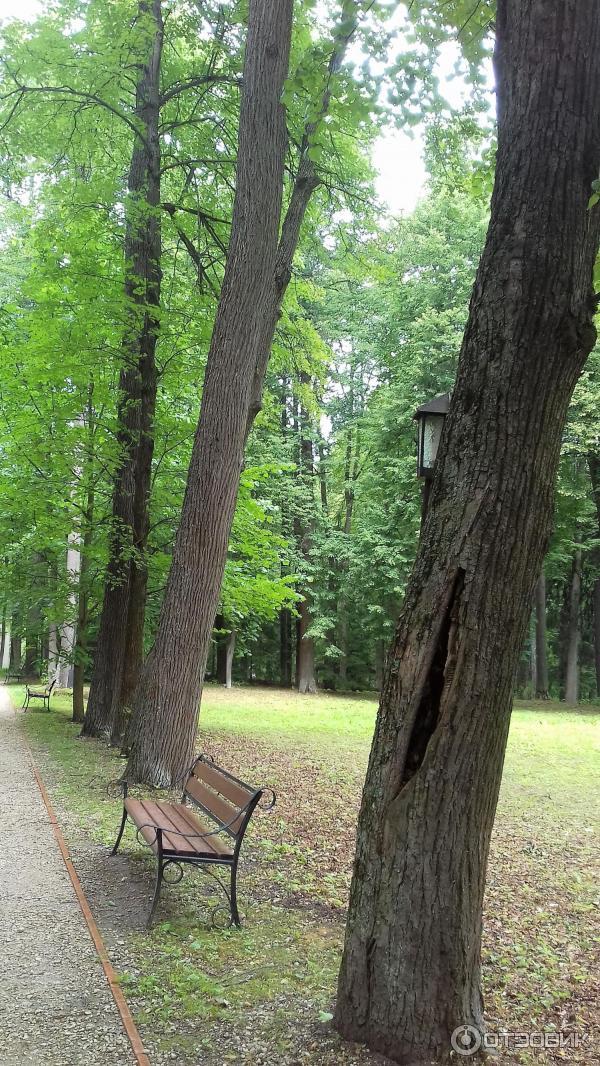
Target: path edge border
(129, 1025)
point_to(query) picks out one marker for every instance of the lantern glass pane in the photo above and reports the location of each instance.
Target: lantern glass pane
(432, 432)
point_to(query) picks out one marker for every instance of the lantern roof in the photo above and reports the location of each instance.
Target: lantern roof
(440, 405)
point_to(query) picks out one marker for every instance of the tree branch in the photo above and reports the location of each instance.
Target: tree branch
(196, 82)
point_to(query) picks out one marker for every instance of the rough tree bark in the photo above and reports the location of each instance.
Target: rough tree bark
(119, 646)
(541, 641)
(165, 705)
(573, 633)
(411, 966)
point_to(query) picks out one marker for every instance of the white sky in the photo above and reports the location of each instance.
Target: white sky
(397, 157)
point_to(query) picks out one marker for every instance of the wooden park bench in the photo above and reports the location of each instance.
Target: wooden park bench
(178, 836)
(13, 675)
(39, 694)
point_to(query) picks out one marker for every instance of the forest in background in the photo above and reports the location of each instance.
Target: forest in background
(328, 513)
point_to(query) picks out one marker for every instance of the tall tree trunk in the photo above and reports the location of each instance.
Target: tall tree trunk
(596, 609)
(304, 528)
(2, 634)
(229, 654)
(15, 642)
(166, 702)
(285, 647)
(33, 625)
(305, 651)
(573, 633)
(81, 631)
(379, 664)
(31, 664)
(225, 651)
(119, 646)
(411, 967)
(350, 475)
(541, 641)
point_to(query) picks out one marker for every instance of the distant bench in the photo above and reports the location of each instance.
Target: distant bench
(177, 835)
(13, 675)
(42, 694)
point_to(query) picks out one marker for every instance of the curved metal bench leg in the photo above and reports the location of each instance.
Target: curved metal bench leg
(235, 914)
(159, 874)
(120, 834)
(25, 703)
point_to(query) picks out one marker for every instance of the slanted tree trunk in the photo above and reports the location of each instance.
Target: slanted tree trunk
(573, 633)
(119, 646)
(411, 966)
(541, 641)
(166, 702)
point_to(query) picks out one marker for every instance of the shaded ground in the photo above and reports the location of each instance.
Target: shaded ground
(264, 995)
(56, 1008)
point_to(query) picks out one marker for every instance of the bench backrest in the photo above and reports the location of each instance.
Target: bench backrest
(229, 801)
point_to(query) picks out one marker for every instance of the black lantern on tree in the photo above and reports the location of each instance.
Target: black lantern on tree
(430, 418)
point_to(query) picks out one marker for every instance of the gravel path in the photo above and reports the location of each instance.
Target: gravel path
(56, 1008)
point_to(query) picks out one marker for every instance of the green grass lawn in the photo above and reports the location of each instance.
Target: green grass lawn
(262, 995)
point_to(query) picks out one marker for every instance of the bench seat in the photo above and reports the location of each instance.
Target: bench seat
(150, 815)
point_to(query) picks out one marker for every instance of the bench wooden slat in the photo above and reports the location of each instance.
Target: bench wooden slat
(231, 790)
(217, 807)
(177, 817)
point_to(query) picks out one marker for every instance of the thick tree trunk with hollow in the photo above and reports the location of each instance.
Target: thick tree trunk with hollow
(411, 967)
(541, 641)
(166, 702)
(119, 645)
